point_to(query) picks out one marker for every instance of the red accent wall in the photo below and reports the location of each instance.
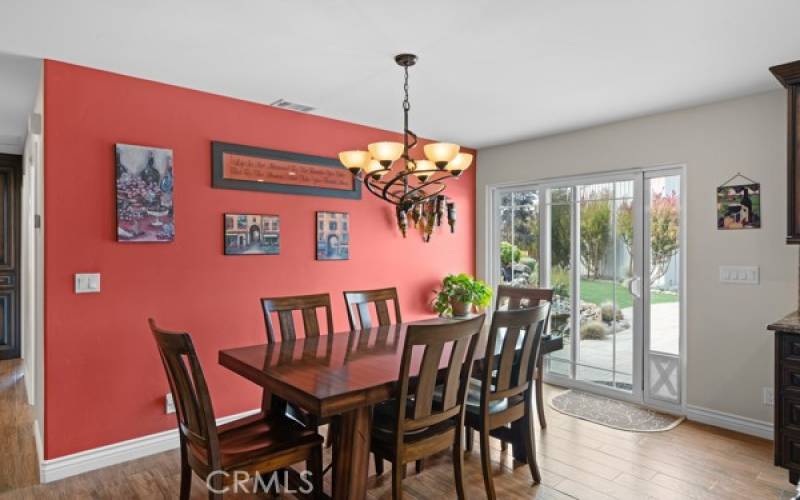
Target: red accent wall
(104, 381)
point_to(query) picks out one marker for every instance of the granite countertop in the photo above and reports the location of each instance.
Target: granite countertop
(789, 323)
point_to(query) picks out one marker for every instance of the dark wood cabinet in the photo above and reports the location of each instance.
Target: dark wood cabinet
(789, 76)
(787, 399)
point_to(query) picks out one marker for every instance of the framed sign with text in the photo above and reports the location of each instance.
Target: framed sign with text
(256, 169)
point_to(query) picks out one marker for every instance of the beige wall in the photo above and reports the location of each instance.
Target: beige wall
(729, 351)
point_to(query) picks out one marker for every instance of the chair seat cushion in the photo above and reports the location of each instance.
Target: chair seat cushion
(384, 423)
(250, 438)
(473, 402)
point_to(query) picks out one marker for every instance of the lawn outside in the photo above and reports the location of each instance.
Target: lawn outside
(600, 292)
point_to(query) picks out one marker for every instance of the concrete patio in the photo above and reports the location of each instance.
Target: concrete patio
(596, 357)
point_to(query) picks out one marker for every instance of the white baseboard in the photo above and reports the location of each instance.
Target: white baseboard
(745, 425)
(112, 454)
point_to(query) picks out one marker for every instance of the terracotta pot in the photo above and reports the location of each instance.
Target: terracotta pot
(460, 308)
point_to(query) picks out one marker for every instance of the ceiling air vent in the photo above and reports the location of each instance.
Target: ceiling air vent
(293, 106)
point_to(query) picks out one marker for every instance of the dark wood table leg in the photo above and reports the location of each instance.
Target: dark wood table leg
(351, 455)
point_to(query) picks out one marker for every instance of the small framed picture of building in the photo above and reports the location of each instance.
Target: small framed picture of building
(249, 234)
(333, 236)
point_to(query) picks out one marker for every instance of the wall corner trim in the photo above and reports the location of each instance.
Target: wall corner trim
(37, 438)
(758, 428)
(113, 454)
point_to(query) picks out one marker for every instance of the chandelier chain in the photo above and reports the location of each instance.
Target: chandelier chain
(406, 103)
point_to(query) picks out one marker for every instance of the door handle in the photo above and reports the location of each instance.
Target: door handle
(635, 287)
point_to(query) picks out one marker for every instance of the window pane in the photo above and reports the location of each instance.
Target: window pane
(597, 286)
(602, 191)
(606, 306)
(519, 238)
(560, 239)
(506, 218)
(664, 249)
(560, 195)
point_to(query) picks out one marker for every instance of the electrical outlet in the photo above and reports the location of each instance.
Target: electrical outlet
(769, 396)
(169, 403)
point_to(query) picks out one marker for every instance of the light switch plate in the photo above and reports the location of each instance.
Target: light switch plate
(87, 283)
(739, 275)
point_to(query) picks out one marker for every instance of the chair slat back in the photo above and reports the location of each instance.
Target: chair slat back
(510, 371)
(193, 409)
(428, 343)
(361, 300)
(285, 307)
(510, 297)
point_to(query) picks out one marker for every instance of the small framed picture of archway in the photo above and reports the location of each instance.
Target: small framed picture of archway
(251, 234)
(333, 236)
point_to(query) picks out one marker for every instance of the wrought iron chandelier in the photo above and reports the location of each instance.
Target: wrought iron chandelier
(414, 186)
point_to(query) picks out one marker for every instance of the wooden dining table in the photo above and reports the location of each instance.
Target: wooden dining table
(342, 375)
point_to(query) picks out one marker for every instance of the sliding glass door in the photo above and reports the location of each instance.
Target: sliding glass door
(606, 312)
(592, 240)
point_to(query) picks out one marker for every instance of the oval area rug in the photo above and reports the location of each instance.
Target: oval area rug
(612, 413)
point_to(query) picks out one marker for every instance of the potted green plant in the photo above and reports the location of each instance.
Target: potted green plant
(460, 293)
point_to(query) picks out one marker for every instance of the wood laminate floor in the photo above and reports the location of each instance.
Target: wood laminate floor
(578, 459)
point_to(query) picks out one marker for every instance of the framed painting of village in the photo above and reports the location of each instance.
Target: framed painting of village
(333, 236)
(250, 234)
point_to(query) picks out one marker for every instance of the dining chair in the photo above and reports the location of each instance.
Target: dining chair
(512, 297)
(358, 306)
(509, 297)
(258, 444)
(403, 433)
(502, 396)
(284, 308)
(361, 300)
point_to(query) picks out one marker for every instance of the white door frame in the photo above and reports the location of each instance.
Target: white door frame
(641, 336)
(650, 400)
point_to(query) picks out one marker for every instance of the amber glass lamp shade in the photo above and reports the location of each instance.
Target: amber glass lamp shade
(386, 152)
(461, 162)
(354, 160)
(424, 169)
(441, 153)
(375, 168)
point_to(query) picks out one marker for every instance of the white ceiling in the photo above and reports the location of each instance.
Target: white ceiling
(19, 83)
(489, 72)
